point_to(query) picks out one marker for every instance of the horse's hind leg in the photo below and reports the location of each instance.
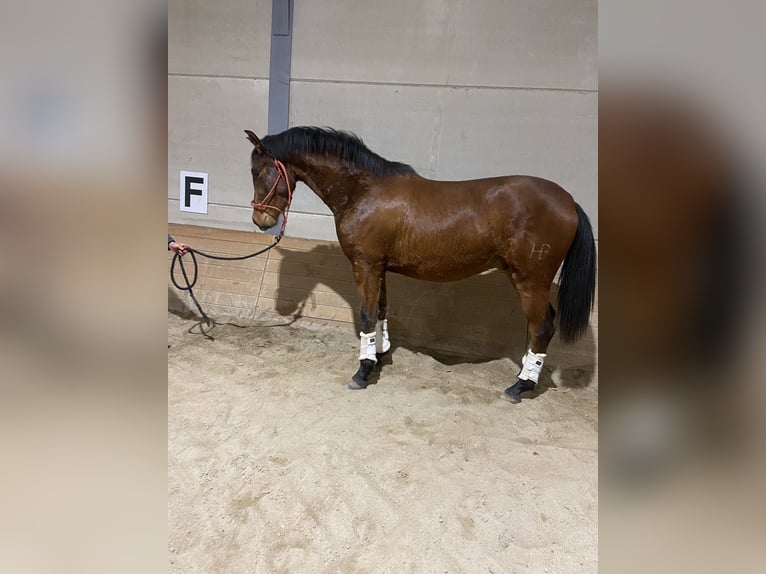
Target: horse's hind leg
(368, 281)
(540, 330)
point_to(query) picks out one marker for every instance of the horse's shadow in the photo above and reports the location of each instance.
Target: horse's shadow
(471, 321)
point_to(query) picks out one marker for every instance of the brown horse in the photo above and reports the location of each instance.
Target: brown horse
(388, 218)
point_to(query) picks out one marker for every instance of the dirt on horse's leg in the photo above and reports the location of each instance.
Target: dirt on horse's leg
(540, 330)
(368, 281)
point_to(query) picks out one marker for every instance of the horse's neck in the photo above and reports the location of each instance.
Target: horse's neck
(335, 185)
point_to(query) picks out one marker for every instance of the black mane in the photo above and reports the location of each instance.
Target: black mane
(335, 143)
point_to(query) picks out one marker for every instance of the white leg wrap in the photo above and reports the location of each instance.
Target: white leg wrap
(532, 365)
(381, 329)
(367, 346)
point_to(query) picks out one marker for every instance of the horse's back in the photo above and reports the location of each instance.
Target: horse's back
(514, 200)
(527, 188)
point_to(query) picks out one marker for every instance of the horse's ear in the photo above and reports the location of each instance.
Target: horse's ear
(253, 139)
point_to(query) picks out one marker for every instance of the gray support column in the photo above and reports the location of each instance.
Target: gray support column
(279, 73)
(279, 66)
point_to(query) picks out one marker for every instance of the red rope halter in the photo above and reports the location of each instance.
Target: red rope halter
(282, 173)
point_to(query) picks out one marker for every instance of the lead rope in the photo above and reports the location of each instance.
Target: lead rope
(189, 286)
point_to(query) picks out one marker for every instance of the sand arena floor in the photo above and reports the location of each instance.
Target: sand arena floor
(274, 467)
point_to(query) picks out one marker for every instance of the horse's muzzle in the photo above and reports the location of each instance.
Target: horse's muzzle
(264, 220)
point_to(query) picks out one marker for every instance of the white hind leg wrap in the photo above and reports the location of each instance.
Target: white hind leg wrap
(383, 343)
(367, 346)
(532, 366)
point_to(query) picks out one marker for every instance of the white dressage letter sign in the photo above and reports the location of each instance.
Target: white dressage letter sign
(194, 191)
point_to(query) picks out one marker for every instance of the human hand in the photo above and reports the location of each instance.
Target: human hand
(180, 248)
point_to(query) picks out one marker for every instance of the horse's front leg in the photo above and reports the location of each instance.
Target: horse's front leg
(368, 280)
(381, 327)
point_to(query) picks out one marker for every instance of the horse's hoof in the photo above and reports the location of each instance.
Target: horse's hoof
(356, 384)
(513, 393)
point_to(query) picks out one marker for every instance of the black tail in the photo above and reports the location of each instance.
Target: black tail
(577, 288)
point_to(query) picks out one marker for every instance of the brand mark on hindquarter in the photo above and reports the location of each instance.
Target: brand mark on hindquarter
(542, 252)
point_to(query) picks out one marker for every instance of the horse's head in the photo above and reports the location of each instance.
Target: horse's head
(270, 183)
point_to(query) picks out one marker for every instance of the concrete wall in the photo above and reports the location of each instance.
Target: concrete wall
(218, 70)
(458, 89)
